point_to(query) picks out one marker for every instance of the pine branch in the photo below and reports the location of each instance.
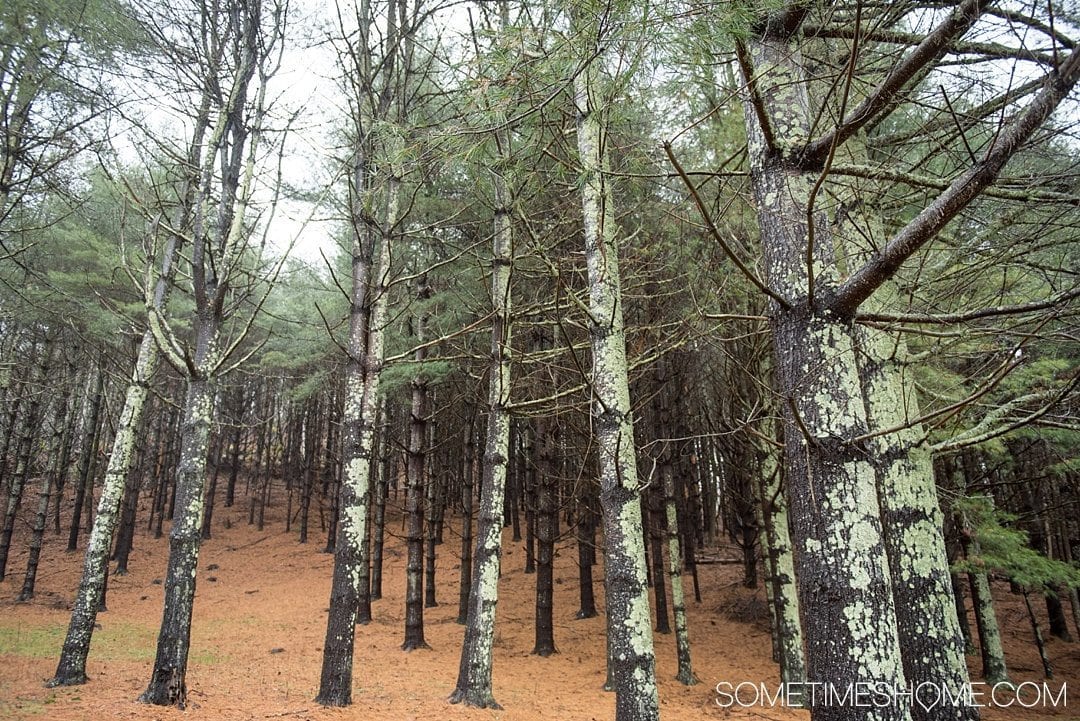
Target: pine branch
(953, 318)
(961, 192)
(888, 95)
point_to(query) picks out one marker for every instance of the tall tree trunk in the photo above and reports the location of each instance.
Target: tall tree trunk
(216, 452)
(844, 580)
(630, 651)
(234, 457)
(685, 674)
(994, 670)
(168, 685)
(71, 668)
(48, 481)
(414, 504)
(86, 457)
(23, 460)
(467, 470)
(431, 524)
(656, 538)
(367, 325)
(312, 427)
(474, 671)
(125, 537)
(546, 439)
(382, 489)
(776, 548)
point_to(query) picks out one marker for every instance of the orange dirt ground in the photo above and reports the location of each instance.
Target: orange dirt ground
(260, 619)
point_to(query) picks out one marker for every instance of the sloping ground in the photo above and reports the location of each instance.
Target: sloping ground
(260, 619)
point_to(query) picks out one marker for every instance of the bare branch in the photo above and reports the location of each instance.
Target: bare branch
(716, 233)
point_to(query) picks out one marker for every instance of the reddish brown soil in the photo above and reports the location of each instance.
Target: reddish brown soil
(260, 618)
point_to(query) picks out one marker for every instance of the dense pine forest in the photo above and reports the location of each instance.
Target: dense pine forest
(570, 329)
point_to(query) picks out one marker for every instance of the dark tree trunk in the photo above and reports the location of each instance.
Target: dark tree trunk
(125, 536)
(211, 493)
(86, 456)
(528, 494)
(1036, 633)
(168, 685)
(1059, 626)
(545, 482)
(467, 470)
(312, 428)
(22, 462)
(414, 567)
(431, 522)
(37, 535)
(382, 488)
(48, 480)
(234, 458)
(254, 490)
(586, 547)
(363, 591)
(656, 541)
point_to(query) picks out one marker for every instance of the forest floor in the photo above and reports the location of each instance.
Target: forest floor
(260, 620)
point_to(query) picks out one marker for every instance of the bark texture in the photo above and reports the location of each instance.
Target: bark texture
(630, 643)
(474, 672)
(844, 579)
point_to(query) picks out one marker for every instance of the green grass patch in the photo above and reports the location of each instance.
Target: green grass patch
(112, 642)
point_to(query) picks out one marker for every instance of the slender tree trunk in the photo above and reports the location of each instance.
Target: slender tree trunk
(630, 634)
(994, 670)
(125, 538)
(381, 491)
(777, 550)
(371, 274)
(545, 512)
(586, 546)
(467, 469)
(234, 458)
(312, 427)
(71, 668)
(527, 461)
(23, 460)
(474, 672)
(678, 600)
(656, 539)
(86, 456)
(1036, 633)
(418, 419)
(48, 481)
(65, 457)
(431, 526)
(217, 451)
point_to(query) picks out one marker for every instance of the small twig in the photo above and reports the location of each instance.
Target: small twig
(714, 231)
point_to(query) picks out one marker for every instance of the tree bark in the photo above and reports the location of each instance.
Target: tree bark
(630, 634)
(414, 504)
(359, 422)
(48, 482)
(474, 672)
(545, 537)
(467, 472)
(86, 456)
(168, 685)
(23, 460)
(844, 580)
